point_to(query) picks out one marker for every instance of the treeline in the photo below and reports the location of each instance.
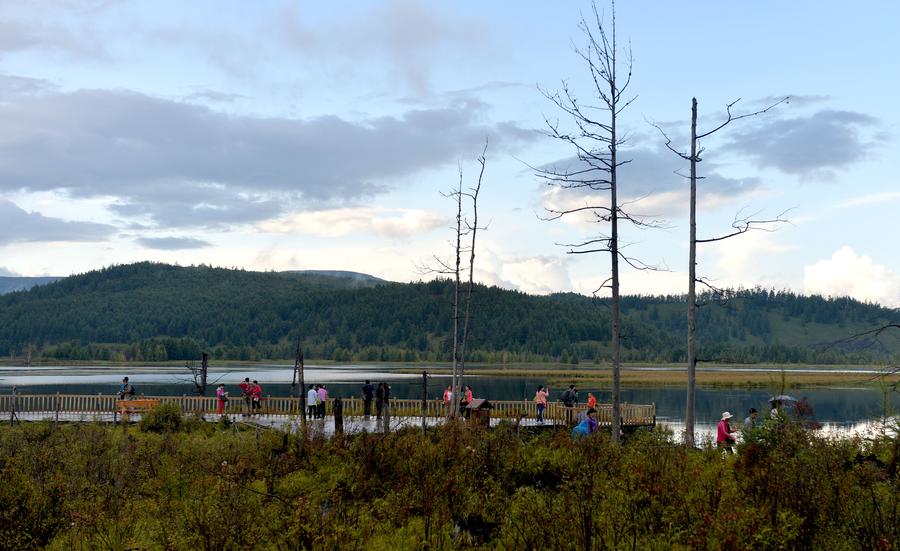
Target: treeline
(158, 312)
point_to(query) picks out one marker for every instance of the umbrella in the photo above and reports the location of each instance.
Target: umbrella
(784, 399)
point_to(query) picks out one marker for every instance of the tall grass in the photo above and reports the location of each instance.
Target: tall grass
(191, 485)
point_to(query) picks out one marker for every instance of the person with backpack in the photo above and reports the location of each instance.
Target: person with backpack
(541, 398)
(126, 391)
(587, 426)
(569, 399)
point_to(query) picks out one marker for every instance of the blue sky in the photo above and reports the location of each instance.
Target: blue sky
(309, 135)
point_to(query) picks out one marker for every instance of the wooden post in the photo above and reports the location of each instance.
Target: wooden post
(424, 399)
(12, 406)
(204, 368)
(386, 411)
(56, 401)
(338, 410)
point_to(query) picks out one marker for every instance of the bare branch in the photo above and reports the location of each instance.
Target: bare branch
(743, 225)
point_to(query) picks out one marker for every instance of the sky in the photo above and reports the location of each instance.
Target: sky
(280, 135)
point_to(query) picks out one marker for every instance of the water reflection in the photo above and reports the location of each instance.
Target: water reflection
(835, 405)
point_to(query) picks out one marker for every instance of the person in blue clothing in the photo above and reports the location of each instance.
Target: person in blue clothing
(587, 426)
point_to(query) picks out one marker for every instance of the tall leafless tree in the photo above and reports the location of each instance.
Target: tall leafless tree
(464, 229)
(740, 226)
(596, 140)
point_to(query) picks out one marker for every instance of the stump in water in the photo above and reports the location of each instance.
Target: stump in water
(338, 416)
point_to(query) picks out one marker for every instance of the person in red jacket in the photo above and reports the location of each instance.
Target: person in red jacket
(592, 401)
(246, 395)
(255, 396)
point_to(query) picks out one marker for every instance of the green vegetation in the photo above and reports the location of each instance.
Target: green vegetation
(193, 485)
(157, 312)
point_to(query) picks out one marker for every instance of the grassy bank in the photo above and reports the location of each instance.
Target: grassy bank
(179, 484)
(663, 375)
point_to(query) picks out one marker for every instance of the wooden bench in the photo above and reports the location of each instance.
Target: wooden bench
(137, 405)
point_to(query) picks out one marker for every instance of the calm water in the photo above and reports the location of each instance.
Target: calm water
(836, 405)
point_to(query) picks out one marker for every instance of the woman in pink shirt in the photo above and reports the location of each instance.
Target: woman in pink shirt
(541, 398)
(222, 396)
(724, 431)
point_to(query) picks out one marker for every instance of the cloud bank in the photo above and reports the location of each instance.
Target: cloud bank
(849, 274)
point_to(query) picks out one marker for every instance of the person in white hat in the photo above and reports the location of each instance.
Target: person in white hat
(724, 438)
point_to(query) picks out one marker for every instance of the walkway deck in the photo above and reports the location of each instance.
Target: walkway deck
(283, 411)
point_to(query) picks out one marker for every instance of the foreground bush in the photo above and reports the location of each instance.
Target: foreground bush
(102, 487)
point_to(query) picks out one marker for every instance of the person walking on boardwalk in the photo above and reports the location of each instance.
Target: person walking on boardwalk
(126, 391)
(379, 401)
(368, 390)
(312, 398)
(569, 399)
(323, 398)
(256, 397)
(247, 395)
(540, 397)
(724, 438)
(222, 397)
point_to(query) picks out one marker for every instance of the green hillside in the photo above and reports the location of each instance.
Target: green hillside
(155, 312)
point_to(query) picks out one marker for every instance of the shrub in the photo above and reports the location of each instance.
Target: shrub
(165, 417)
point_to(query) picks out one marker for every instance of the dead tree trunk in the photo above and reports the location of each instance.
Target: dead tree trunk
(596, 142)
(473, 230)
(740, 226)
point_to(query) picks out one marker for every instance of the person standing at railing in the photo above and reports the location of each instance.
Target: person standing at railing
(591, 401)
(222, 397)
(247, 395)
(379, 400)
(467, 399)
(569, 399)
(368, 393)
(256, 396)
(541, 398)
(312, 399)
(323, 398)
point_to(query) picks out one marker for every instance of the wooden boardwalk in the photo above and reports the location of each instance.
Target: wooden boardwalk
(99, 406)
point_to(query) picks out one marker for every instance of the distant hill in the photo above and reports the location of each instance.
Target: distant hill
(150, 311)
(13, 284)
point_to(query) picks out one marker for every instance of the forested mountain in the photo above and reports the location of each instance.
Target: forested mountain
(154, 312)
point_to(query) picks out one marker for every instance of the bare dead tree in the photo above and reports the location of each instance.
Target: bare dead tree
(472, 229)
(596, 140)
(740, 226)
(463, 229)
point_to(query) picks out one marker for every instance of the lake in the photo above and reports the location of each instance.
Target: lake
(841, 406)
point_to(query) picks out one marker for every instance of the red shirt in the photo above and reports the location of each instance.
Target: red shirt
(592, 401)
(723, 432)
(255, 391)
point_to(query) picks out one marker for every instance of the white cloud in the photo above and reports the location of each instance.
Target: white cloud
(846, 274)
(395, 223)
(538, 275)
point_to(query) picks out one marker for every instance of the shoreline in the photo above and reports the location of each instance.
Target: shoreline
(633, 374)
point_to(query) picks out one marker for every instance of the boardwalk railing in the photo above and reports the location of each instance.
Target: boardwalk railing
(632, 414)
